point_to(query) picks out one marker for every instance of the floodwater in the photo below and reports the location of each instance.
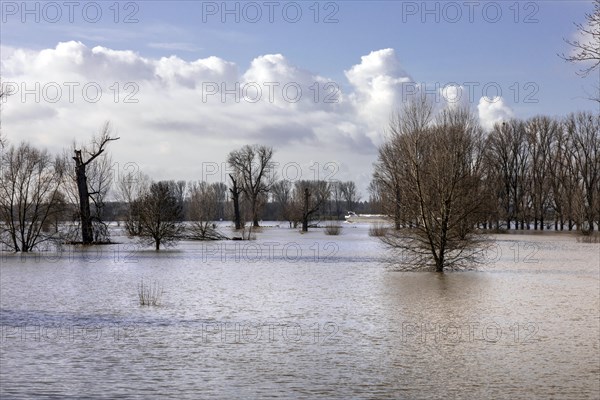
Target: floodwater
(301, 316)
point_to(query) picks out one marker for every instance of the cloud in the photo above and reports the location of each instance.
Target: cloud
(378, 83)
(172, 114)
(176, 72)
(454, 96)
(493, 110)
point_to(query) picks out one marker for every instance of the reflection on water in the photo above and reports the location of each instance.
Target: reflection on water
(308, 316)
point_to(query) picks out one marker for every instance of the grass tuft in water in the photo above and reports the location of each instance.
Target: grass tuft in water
(333, 229)
(149, 294)
(378, 230)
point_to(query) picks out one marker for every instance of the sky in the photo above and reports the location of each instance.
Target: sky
(183, 83)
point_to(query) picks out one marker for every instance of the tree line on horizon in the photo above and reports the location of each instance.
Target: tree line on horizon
(540, 173)
(156, 210)
(47, 199)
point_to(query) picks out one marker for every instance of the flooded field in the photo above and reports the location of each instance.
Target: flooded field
(301, 316)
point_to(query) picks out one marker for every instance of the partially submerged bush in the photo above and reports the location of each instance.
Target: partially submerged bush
(333, 229)
(589, 238)
(378, 229)
(149, 295)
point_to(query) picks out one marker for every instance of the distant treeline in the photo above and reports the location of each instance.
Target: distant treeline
(529, 174)
(271, 211)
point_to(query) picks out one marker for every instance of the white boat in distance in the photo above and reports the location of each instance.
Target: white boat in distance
(352, 217)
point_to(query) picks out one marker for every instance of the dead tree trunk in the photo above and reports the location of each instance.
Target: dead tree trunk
(87, 234)
(255, 211)
(305, 213)
(235, 195)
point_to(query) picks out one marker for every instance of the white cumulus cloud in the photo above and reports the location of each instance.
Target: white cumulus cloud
(172, 114)
(493, 110)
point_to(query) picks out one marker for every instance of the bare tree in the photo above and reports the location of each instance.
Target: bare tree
(350, 194)
(236, 190)
(159, 215)
(221, 197)
(282, 196)
(29, 196)
(388, 176)
(585, 47)
(130, 187)
(541, 132)
(564, 181)
(439, 166)
(83, 159)
(520, 166)
(507, 150)
(310, 197)
(557, 168)
(375, 197)
(179, 190)
(583, 130)
(387, 182)
(203, 210)
(253, 168)
(337, 197)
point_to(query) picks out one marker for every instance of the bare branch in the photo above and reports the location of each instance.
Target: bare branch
(587, 49)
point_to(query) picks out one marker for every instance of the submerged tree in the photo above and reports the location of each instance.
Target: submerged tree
(282, 197)
(235, 196)
(508, 154)
(336, 188)
(158, 214)
(388, 173)
(253, 171)
(309, 198)
(583, 132)
(84, 159)
(204, 205)
(30, 196)
(350, 194)
(541, 132)
(438, 166)
(130, 187)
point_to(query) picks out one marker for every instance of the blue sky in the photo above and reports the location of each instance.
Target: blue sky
(514, 51)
